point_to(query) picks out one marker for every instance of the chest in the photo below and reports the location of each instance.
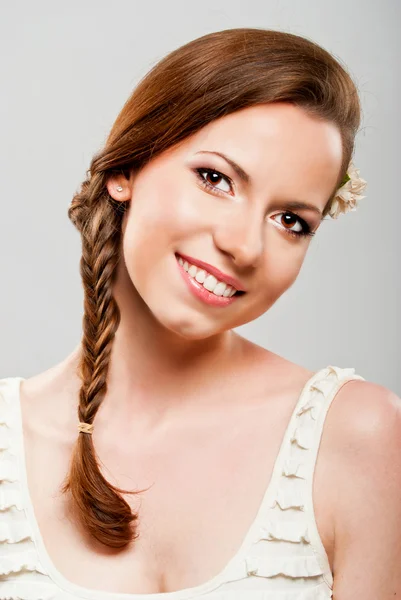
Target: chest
(203, 487)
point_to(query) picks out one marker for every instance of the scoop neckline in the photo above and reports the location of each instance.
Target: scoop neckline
(248, 540)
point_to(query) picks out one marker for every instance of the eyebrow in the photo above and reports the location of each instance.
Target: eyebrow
(291, 204)
(239, 170)
(296, 205)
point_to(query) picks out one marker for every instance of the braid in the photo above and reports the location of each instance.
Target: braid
(102, 510)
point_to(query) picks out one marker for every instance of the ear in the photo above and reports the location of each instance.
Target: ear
(119, 187)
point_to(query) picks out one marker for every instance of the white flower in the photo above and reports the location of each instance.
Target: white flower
(349, 194)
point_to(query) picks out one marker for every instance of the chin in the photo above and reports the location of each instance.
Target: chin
(193, 329)
(190, 327)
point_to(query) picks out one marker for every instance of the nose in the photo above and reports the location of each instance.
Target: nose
(241, 236)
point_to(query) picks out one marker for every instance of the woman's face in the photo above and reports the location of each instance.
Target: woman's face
(193, 203)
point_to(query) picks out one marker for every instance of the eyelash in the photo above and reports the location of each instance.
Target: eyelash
(306, 230)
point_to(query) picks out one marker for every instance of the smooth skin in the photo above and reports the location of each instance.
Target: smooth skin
(193, 409)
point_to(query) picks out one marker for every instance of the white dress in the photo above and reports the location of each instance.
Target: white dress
(281, 557)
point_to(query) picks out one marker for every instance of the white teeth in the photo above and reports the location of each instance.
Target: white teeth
(192, 270)
(219, 288)
(210, 283)
(200, 276)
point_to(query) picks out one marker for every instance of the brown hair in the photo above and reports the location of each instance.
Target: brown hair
(205, 79)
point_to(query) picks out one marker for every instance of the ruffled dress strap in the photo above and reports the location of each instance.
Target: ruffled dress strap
(21, 573)
(290, 523)
(307, 437)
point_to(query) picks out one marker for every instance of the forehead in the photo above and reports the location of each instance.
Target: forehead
(279, 145)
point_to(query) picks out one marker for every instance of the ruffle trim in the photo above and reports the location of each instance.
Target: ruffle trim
(288, 498)
(290, 493)
(10, 590)
(10, 499)
(294, 467)
(294, 486)
(8, 471)
(23, 561)
(14, 531)
(297, 566)
(287, 531)
(14, 526)
(303, 437)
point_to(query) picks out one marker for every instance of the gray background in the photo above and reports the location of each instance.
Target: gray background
(66, 70)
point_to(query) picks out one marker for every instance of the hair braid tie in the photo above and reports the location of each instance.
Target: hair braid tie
(85, 427)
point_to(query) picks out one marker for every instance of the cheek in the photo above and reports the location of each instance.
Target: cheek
(282, 266)
(287, 268)
(165, 211)
(161, 217)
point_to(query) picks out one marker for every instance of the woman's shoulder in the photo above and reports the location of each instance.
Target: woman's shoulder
(361, 408)
(362, 437)
(45, 402)
(362, 443)
(364, 413)
(288, 375)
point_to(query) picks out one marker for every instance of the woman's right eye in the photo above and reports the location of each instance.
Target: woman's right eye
(212, 179)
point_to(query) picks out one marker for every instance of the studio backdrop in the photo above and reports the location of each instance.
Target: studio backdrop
(66, 70)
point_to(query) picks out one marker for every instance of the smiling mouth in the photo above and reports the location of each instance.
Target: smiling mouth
(208, 281)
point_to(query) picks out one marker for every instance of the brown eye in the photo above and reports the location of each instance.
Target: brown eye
(293, 225)
(213, 179)
(288, 220)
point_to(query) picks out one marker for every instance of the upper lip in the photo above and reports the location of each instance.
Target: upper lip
(214, 271)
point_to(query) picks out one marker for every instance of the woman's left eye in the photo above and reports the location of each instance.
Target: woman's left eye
(213, 179)
(287, 220)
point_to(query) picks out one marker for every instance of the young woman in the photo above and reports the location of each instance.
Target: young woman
(168, 457)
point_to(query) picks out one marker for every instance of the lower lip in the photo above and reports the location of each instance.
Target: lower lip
(202, 293)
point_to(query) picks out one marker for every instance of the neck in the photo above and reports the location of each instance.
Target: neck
(155, 373)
